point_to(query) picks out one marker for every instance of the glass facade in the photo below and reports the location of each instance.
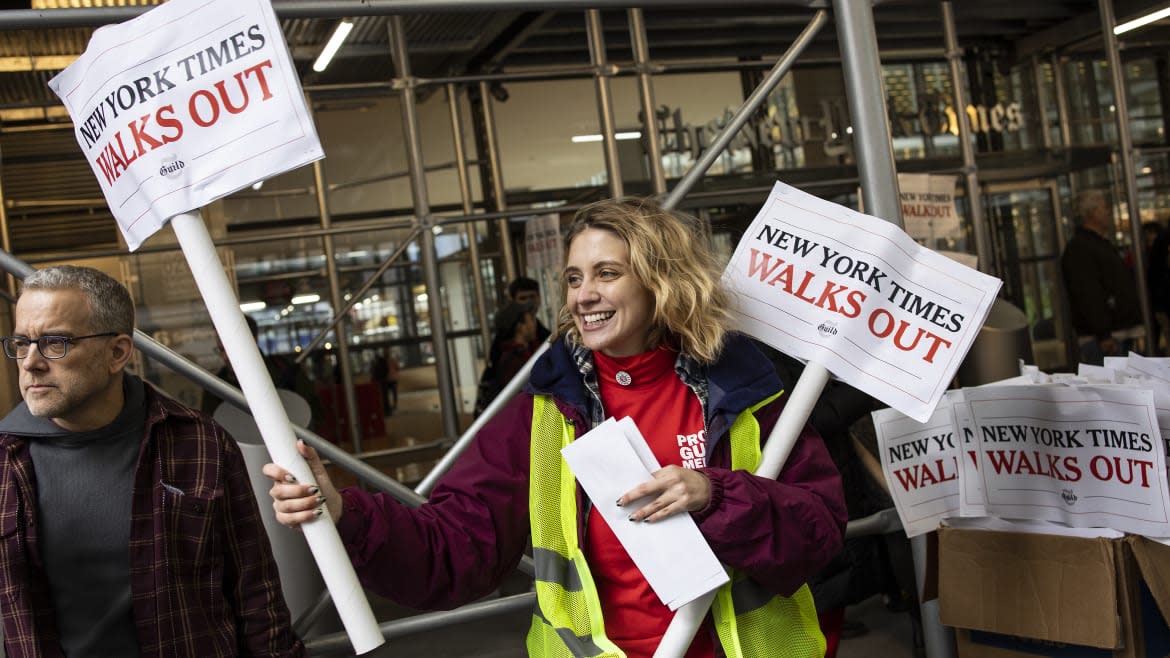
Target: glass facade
(1027, 169)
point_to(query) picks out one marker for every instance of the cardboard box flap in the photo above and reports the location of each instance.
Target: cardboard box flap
(1153, 561)
(1060, 589)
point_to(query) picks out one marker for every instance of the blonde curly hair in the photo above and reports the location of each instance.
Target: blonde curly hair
(671, 257)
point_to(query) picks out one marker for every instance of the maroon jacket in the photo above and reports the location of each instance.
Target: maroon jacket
(473, 531)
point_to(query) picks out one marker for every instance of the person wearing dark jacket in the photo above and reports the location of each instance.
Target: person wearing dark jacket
(1158, 281)
(129, 523)
(1103, 300)
(642, 334)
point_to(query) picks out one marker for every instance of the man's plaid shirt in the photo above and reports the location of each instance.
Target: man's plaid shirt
(202, 577)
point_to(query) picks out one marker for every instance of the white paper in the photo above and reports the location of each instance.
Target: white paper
(921, 467)
(855, 294)
(1086, 456)
(672, 554)
(972, 499)
(928, 206)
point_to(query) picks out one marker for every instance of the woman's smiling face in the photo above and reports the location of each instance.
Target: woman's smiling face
(612, 310)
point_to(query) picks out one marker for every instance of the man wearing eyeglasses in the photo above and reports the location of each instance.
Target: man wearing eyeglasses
(128, 526)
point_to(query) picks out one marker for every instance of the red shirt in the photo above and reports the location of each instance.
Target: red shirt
(670, 417)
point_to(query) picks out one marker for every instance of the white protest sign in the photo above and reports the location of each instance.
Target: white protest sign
(185, 104)
(855, 294)
(928, 206)
(545, 257)
(542, 242)
(1086, 456)
(920, 462)
(1156, 376)
(972, 499)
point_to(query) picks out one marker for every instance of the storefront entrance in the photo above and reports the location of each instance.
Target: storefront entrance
(1028, 237)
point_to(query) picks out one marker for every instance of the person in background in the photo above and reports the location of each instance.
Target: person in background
(384, 371)
(131, 526)
(393, 369)
(1158, 281)
(516, 328)
(643, 333)
(1102, 294)
(526, 292)
(285, 373)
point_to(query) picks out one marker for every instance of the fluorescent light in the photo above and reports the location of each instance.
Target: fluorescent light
(1143, 20)
(333, 45)
(248, 307)
(581, 139)
(306, 299)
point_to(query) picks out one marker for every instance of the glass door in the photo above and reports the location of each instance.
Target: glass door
(1028, 238)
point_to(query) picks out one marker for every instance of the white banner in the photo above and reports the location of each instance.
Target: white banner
(545, 258)
(542, 243)
(920, 463)
(928, 206)
(972, 500)
(855, 294)
(1086, 456)
(185, 104)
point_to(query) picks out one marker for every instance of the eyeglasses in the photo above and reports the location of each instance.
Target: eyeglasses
(50, 347)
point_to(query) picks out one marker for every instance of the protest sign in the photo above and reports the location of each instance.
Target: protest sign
(1084, 456)
(1155, 375)
(972, 499)
(856, 295)
(186, 104)
(545, 257)
(920, 462)
(928, 206)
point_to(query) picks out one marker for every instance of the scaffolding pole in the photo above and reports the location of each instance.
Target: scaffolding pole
(422, 212)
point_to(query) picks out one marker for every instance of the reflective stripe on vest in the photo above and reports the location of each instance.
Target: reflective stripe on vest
(750, 621)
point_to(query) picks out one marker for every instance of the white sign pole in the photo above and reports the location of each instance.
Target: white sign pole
(686, 622)
(321, 534)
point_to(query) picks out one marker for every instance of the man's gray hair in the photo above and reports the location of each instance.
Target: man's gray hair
(1085, 202)
(110, 305)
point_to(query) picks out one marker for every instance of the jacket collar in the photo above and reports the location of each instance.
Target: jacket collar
(741, 377)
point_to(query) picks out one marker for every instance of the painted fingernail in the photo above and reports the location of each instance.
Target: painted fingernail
(619, 502)
(321, 499)
(290, 479)
(631, 517)
(319, 511)
(314, 490)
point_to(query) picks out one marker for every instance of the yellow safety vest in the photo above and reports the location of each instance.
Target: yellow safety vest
(750, 621)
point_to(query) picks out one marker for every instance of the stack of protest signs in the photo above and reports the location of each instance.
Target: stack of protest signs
(1084, 451)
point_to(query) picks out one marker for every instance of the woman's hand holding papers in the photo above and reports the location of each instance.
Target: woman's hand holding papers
(675, 489)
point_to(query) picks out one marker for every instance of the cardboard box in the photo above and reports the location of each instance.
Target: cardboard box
(1020, 595)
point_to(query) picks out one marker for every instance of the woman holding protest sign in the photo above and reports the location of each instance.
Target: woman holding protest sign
(643, 333)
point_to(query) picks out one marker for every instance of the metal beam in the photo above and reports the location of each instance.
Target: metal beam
(30, 19)
(422, 211)
(697, 170)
